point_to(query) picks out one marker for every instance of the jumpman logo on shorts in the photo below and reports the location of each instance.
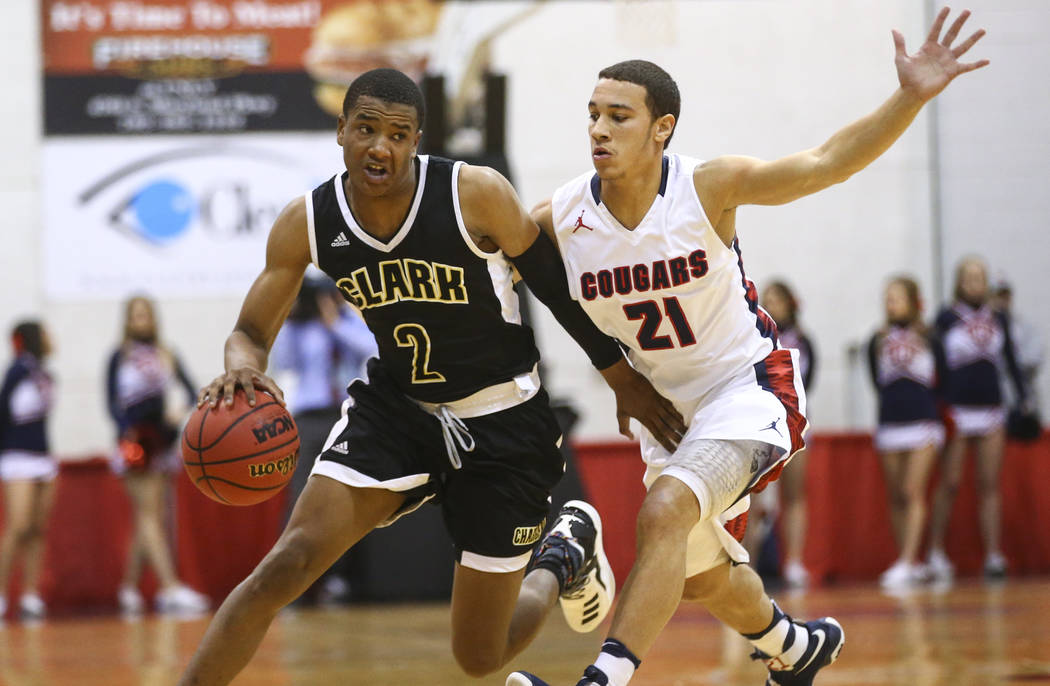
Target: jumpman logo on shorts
(773, 426)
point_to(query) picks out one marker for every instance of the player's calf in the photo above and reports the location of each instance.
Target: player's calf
(285, 573)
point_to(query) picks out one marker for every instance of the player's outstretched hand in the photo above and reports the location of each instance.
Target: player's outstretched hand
(226, 385)
(636, 397)
(928, 71)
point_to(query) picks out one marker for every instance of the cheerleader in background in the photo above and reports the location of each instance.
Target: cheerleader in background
(139, 375)
(779, 301)
(903, 363)
(26, 466)
(977, 347)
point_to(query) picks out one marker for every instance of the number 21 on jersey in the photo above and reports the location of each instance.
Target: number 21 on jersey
(649, 312)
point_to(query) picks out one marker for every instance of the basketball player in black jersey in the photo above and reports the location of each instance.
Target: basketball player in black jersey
(452, 407)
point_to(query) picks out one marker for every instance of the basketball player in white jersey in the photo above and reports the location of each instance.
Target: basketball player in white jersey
(651, 252)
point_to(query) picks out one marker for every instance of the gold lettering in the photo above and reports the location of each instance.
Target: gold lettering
(395, 284)
(364, 285)
(350, 292)
(405, 279)
(420, 279)
(451, 288)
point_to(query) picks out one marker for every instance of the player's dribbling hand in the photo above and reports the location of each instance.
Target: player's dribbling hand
(636, 397)
(226, 385)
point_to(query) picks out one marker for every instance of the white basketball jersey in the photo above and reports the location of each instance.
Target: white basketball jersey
(670, 289)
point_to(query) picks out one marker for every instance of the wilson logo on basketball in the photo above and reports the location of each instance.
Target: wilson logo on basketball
(284, 466)
(278, 426)
(527, 535)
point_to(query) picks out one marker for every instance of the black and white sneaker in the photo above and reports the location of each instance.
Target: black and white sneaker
(826, 639)
(572, 550)
(525, 679)
(592, 677)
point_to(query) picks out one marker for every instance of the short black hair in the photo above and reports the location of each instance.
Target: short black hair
(28, 337)
(386, 84)
(661, 92)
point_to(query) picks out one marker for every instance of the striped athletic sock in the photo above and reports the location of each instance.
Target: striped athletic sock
(782, 642)
(614, 667)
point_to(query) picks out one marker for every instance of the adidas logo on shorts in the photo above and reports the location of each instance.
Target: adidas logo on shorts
(340, 241)
(341, 448)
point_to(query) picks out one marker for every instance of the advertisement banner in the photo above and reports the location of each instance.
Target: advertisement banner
(176, 130)
(198, 66)
(126, 67)
(182, 216)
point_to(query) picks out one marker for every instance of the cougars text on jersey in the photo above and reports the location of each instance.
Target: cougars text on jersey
(643, 277)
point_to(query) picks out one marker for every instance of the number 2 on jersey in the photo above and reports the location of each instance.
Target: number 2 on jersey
(415, 336)
(649, 312)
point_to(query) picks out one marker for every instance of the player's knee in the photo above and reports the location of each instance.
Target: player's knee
(663, 515)
(476, 662)
(702, 587)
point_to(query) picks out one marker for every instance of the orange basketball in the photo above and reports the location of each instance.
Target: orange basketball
(238, 454)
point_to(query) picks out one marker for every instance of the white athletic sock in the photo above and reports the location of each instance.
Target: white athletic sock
(782, 639)
(616, 662)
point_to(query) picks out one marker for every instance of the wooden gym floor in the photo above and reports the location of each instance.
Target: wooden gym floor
(974, 634)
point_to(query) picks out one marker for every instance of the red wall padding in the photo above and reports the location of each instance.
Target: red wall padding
(90, 528)
(849, 536)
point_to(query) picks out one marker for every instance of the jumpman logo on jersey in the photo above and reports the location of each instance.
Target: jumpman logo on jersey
(773, 426)
(580, 224)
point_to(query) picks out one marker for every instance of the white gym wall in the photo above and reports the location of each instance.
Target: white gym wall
(758, 77)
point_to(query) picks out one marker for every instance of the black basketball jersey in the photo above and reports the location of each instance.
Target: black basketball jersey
(444, 313)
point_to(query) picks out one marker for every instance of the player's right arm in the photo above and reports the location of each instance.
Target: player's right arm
(264, 310)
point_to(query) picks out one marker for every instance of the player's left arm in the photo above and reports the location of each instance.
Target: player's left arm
(492, 213)
(735, 180)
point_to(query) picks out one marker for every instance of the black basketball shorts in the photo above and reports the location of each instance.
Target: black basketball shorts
(494, 506)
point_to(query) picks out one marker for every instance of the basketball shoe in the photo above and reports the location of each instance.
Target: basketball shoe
(572, 551)
(826, 639)
(527, 679)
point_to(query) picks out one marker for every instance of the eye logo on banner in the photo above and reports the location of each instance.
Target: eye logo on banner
(178, 216)
(160, 197)
(159, 212)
